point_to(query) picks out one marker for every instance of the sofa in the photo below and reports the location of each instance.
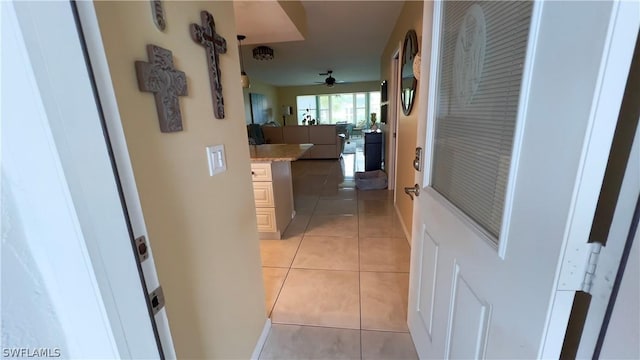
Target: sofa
(328, 144)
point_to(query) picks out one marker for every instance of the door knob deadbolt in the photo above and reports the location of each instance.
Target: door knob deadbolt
(412, 190)
(418, 160)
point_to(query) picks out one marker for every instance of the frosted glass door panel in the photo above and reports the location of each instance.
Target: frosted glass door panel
(481, 61)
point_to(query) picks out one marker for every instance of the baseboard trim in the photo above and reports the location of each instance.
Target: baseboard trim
(404, 227)
(261, 340)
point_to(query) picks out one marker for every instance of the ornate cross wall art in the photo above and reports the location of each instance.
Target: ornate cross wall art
(214, 45)
(158, 14)
(166, 83)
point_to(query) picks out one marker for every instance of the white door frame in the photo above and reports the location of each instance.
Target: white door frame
(392, 109)
(621, 217)
(612, 77)
(609, 260)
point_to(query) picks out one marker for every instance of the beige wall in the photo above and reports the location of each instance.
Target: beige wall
(296, 12)
(202, 229)
(271, 93)
(287, 94)
(410, 18)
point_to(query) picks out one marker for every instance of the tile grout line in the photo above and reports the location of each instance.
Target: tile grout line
(270, 315)
(291, 264)
(358, 218)
(343, 328)
(292, 260)
(334, 270)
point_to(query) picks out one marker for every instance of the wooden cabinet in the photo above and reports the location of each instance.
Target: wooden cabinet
(273, 194)
(261, 171)
(373, 145)
(266, 220)
(263, 194)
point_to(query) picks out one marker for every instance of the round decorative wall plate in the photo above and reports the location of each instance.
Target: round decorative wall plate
(468, 59)
(416, 66)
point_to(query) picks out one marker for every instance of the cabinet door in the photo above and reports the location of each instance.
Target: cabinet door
(261, 172)
(266, 218)
(263, 194)
(373, 151)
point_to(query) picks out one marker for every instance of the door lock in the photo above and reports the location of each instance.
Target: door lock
(418, 160)
(412, 190)
(142, 248)
(156, 298)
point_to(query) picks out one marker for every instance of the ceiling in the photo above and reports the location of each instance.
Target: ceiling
(347, 37)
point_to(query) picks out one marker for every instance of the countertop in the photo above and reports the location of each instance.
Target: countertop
(277, 152)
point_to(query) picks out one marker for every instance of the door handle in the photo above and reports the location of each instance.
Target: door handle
(412, 190)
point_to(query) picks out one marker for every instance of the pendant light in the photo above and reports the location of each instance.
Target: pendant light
(244, 78)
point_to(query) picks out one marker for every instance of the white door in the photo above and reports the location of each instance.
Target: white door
(505, 207)
(92, 37)
(62, 181)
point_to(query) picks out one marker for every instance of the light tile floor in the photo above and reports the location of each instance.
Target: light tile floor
(337, 283)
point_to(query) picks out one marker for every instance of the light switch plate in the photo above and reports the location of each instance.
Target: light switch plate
(216, 159)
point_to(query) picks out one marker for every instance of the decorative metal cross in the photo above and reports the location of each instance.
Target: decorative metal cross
(158, 14)
(161, 78)
(214, 44)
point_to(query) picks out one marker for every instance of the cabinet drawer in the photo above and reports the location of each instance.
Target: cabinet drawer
(263, 194)
(266, 219)
(261, 172)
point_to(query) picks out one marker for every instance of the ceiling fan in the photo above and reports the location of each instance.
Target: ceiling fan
(330, 80)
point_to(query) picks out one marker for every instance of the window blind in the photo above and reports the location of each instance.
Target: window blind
(483, 48)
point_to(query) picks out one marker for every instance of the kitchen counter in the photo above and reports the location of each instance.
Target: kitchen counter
(277, 152)
(273, 186)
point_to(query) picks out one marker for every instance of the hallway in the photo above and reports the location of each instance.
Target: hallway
(337, 284)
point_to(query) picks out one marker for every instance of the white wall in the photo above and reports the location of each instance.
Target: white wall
(29, 318)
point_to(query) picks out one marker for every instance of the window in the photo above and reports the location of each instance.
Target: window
(374, 105)
(477, 104)
(361, 106)
(351, 108)
(341, 108)
(324, 109)
(306, 107)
